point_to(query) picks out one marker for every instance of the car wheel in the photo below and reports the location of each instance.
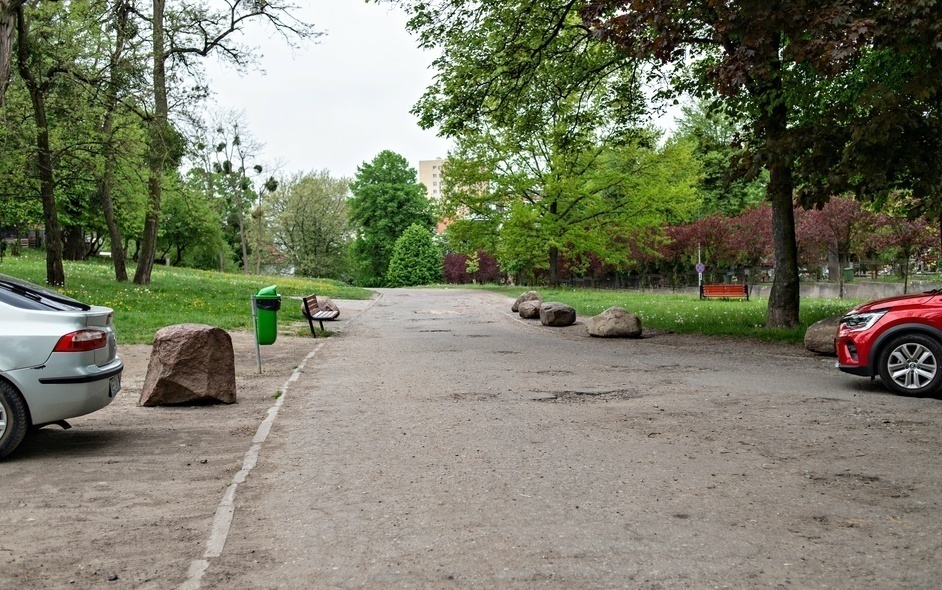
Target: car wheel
(13, 420)
(909, 365)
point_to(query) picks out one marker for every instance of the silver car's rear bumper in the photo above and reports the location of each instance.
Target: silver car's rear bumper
(59, 392)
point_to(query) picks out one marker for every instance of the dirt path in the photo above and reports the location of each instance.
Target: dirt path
(440, 442)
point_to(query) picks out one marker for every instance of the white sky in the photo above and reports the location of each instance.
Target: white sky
(337, 102)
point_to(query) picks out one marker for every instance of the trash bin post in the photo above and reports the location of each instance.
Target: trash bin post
(258, 348)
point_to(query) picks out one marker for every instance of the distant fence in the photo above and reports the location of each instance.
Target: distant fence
(687, 283)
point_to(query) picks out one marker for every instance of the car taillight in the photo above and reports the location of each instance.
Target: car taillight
(82, 341)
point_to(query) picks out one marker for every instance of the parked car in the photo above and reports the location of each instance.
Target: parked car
(898, 339)
(58, 359)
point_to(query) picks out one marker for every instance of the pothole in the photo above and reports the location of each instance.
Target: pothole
(585, 395)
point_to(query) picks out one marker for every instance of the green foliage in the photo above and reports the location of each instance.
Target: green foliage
(416, 260)
(190, 228)
(387, 199)
(721, 188)
(515, 200)
(308, 219)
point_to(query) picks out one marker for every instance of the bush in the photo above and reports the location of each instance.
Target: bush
(456, 268)
(416, 259)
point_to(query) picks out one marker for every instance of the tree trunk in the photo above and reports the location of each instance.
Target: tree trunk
(106, 182)
(158, 151)
(8, 12)
(114, 232)
(554, 251)
(55, 274)
(245, 247)
(74, 243)
(784, 298)
(785, 295)
(554, 266)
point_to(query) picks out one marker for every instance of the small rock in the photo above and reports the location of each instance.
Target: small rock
(557, 314)
(528, 296)
(530, 309)
(819, 337)
(615, 322)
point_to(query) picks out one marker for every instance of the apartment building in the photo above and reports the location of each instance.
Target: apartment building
(430, 174)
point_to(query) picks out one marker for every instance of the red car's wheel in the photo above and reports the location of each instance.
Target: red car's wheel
(909, 365)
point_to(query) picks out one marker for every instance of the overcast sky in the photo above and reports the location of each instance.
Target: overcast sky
(336, 103)
(339, 100)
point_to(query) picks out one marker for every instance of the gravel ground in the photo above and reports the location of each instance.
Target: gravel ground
(438, 441)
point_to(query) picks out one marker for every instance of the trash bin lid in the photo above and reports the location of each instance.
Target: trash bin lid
(267, 293)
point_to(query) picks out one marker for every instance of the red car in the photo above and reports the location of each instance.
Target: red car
(899, 339)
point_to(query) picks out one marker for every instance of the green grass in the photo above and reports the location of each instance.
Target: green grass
(689, 314)
(177, 295)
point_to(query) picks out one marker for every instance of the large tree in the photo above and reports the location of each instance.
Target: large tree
(307, 216)
(180, 34)
(779, 66)
(548, 204)
(387, 199)
(547, 122)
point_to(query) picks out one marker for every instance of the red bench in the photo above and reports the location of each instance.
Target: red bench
(724, 291)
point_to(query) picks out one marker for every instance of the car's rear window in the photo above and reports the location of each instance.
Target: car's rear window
(25, 295)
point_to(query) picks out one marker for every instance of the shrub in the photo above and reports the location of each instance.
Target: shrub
(416, 260)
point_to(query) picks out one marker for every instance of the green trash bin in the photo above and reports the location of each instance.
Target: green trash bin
(267, 304)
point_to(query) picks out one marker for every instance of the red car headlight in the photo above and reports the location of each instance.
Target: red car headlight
(857, 322)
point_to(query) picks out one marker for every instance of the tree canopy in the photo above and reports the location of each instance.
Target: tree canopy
(387, 199)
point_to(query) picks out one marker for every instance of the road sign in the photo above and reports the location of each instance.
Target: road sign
(700, 267)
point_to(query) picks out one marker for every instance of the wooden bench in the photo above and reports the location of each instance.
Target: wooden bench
(724, 291)
(313, 311)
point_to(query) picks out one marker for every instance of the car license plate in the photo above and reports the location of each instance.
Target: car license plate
(114, 385)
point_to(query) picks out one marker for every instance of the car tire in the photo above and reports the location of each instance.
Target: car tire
(13, 419)
(910, 365)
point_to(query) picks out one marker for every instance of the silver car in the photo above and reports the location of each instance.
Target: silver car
(58, 359)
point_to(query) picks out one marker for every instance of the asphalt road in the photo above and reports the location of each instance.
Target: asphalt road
(442, 442)
(439, 441)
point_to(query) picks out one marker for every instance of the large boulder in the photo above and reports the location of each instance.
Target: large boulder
(819, 337)
(528, 296)
(190, 363)
(530, 309)
(557, 314)
(325, 304)
(615, 322)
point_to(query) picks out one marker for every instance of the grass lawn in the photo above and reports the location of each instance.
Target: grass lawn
(176, 295)
(181, 295)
